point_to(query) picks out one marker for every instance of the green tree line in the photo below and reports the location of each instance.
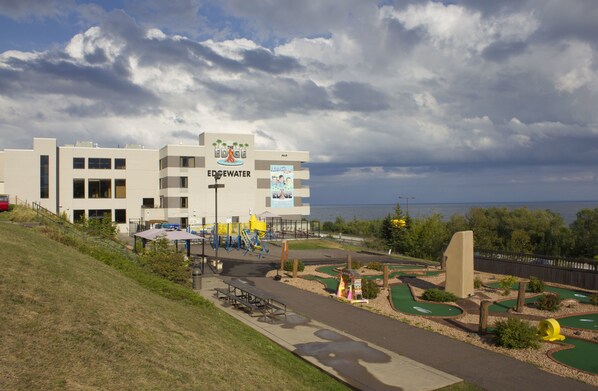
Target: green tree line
(518, 230)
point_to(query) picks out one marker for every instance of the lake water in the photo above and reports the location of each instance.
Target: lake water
(567, 209)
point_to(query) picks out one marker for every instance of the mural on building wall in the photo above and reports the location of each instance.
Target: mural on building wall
(281, 186)
(230, 153)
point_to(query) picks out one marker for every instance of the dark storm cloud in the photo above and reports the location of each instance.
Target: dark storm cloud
(265, 61)
(270, 98)
(111, 88)
(357, 96)
(501, 51)
(23, 9)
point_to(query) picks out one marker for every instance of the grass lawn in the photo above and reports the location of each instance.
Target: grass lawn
(70, 321)
(320, 244)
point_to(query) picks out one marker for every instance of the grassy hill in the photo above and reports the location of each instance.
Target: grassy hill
(70, 321)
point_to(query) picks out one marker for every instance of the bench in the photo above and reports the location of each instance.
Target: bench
(251, 299)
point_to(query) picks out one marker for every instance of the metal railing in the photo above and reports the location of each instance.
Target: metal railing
(539, 260)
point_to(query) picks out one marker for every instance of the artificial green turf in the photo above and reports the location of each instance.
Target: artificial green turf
(504, 306)
(403, 301)
(565, 294)
(587, 321)
(331, 284)
(330, 270)
(583, 356)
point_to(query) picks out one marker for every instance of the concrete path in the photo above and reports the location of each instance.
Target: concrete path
(361, 364)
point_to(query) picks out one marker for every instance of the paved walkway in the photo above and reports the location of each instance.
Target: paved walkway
(361, 364)
(383, 353)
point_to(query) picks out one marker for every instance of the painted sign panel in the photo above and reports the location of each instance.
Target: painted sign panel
(281, 186)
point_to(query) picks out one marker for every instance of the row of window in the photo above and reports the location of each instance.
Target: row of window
(97, 163)
(99, 188)
(120, 215)
(184, 161)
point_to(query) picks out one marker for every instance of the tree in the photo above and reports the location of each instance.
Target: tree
(585, 233)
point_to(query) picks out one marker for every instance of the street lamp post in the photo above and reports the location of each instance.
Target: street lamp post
(216, 186)
(406, 198)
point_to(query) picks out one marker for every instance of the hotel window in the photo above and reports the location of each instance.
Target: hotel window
(78, 162)
(78, 188)
(120, 188)
(120, 164)
(120, 216)
(184, 182)
(184, 202)
(100, 213)
(78, 215)
(99, 188)
(184, 222)
(99, 163)
(44, 176)
(163, 163)
(163, 183)
(148, 203)
(187, 161)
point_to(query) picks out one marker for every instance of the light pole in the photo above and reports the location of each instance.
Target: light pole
(216, 186)
(406, 198)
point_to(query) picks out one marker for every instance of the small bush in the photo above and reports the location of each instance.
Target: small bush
(375, 266)
(356, 265)
(22, 214)
(549, 302)
(369, 289)
(506, 284)
(535, 285)
(594, 299)
(516, 334)
(288, 266)
(165, 262)
(477, 283)
(438, 295)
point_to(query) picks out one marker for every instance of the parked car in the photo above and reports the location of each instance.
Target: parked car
(3, 202)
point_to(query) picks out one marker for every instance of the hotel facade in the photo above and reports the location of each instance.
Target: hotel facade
(170, 184)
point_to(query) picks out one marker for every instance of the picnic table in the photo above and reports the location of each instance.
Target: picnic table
(251, 299)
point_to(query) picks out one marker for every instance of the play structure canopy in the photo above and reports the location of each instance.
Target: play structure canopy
(267, 215)
(157, 233)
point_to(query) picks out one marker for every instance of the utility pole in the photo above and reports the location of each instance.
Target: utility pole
(407, 198)
(216, 186)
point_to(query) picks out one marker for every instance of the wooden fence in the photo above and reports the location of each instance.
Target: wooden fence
(581, 273)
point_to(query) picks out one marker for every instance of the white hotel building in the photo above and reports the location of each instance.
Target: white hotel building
(169, 184)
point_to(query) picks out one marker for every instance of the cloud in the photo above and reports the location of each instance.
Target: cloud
(411, 92)
(36, 9)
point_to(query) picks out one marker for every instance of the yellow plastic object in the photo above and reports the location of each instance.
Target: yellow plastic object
(550, 330)
(257, 225)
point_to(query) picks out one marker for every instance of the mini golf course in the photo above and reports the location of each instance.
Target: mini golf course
(331, 271)
(402, 300)
(585, 321)
(582, 356)
(331, 284)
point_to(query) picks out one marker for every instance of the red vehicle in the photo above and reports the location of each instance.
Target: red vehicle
(3, 202)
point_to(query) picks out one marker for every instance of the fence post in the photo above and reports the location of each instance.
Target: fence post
(349, 261)
(385, 276)
(295, 267)
(484, 309)
(521, 296)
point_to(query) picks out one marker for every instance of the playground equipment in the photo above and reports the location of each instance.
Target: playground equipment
(550, 330)
(349, 286)
(251, 236)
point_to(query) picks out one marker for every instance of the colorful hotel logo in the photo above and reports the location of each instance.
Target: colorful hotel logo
(230, 154)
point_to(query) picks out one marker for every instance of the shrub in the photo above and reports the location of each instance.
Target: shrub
(438, 295)
(594, 299)
(21, 214)
(356, 265)
(288, 266)
(477, 283)
(369, 289)
(506, 284)
(165, 262)
(549, 302)
(516, 334)
(535, 285)
(375, 266)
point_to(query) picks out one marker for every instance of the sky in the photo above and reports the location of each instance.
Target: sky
(460, 101)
